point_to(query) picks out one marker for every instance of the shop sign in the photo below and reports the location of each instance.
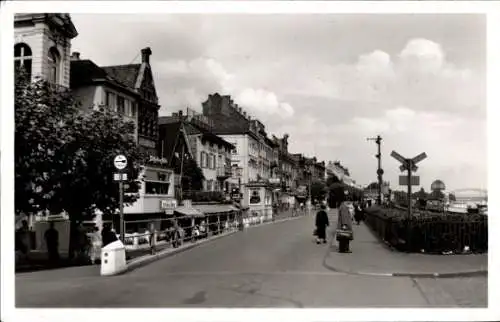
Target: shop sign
(169, 204)
(155, 159)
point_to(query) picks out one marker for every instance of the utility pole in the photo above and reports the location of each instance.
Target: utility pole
(380, 171)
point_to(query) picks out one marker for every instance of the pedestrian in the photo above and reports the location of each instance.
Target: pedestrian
(95, 246)
(321, 224)
(108, 236)
(22, 241)
(358, 213)
(52, 241)
(344, 232)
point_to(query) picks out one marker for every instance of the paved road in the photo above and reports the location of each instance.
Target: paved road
(276, 265)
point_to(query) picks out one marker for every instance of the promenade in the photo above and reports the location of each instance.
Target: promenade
(272, 265)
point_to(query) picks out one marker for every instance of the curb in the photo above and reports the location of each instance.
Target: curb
(474, 273)
(142, 261)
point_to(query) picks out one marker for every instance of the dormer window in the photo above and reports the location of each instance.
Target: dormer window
(54, 62)
(23, 58)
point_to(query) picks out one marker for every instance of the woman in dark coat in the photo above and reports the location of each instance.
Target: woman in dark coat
(321, 224)
(358, 213)
(344, 225)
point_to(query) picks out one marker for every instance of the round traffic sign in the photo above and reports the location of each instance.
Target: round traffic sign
(380, 172)
(120, 162)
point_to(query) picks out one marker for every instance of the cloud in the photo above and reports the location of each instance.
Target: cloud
(210, 76)
(264, 102)
(330, 81)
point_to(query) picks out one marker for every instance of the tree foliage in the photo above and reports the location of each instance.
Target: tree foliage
(64, 154)
(452, 197)
(193, 177)
(332, 179)
(318, 190)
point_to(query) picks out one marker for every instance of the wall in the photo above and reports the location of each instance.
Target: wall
(86, 96)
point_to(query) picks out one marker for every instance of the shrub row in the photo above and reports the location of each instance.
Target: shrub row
(428, 231)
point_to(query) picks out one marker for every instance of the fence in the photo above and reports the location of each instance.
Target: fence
(430, 232)
(176, 231)
(173, 232)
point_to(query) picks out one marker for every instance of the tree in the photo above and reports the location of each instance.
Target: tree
(318, 190)
(332, 179)
(193, 177)
(336, 193)
(421, 194)
(452, 197)
(64, 155)
(372, 186)
(437, 195)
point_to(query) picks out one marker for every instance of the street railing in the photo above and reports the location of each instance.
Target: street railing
(177, 231)
(429, 232)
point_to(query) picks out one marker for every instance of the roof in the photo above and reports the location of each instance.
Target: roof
(192, 129)
(125, 74)
(86, 72)
(212, 209)
(189, 211)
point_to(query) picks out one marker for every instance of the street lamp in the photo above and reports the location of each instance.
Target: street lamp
(380, 171)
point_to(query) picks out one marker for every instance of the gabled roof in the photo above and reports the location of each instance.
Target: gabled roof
(126, 74)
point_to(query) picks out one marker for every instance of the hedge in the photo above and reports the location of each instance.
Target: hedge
(429, 232)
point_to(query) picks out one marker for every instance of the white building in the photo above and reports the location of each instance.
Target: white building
(42, 45)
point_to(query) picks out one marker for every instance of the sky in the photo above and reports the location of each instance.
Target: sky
(330, 81)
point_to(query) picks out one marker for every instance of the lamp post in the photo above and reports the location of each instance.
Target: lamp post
(380, 171)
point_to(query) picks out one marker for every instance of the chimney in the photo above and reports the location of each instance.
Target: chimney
(146, 52)
(245, 114)
(75, 56)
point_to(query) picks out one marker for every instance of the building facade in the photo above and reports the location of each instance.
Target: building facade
(211, 152)
(129, 91)
(255, 154)
(42, 46)
(286, 171)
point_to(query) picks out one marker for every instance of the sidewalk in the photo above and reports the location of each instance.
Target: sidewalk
(371, 257)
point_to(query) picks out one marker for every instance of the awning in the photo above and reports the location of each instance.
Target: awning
(212, 209)
(189, 211)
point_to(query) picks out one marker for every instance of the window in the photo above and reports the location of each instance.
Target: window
(202, 160)
(120, 105)
(23, 58)
(111, 100)
(134, 109)
(157, 188)
(54, 61)
(214, 162)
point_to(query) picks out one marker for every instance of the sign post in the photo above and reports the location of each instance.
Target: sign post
(120, 163)
(410, 166)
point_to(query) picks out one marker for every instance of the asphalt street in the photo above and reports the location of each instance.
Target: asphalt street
(275, 265)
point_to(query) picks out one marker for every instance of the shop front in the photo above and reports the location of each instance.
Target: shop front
(260, 198)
